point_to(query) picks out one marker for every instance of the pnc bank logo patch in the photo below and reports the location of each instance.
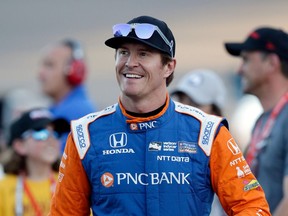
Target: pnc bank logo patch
(154, 178)
(107, 179)
(133, 126)
(143, 125)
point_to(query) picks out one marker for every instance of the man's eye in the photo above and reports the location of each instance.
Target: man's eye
(143, 54)
(123, 52)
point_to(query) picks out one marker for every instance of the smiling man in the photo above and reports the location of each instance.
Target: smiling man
(149, 155)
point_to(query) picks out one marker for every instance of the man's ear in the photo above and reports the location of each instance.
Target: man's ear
(274, 62)
(170, 67)
(19, 147)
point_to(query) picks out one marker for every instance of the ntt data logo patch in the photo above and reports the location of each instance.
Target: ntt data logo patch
(107, 179)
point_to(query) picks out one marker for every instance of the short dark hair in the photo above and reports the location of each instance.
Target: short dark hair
(216, 110)
(284, 67)
(283, 62)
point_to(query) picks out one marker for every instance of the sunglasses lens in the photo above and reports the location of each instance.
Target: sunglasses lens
(41, 135)
(144, 31)
(121, 30)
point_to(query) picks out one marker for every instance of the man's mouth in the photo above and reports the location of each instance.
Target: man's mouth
(133, 76)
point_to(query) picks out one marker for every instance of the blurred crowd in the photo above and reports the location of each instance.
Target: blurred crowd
(35, 125)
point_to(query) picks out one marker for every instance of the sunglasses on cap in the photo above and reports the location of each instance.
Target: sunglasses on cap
(142, 31)
(40, 135)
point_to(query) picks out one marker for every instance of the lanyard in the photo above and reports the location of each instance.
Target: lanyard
(258, 135)
(21, 188)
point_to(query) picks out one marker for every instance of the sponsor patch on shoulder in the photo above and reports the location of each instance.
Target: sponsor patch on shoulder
(187, 147)
(251, 185)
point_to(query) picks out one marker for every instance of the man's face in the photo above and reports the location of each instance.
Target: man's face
(53, 66)
(253, 71)
(140, 72)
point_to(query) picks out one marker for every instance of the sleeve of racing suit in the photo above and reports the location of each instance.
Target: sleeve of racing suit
(72, 192)
(237, 188)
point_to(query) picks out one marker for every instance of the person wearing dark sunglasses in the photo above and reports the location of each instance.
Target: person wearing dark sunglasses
(31, 172)
(149, 155)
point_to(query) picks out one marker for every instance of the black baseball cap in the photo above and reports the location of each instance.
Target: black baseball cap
(155, 41)
(262, 39)
(36, 119)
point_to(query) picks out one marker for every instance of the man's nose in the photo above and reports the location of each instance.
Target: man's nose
(132, 60)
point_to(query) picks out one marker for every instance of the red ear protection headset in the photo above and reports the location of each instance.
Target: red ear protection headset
(77, 70)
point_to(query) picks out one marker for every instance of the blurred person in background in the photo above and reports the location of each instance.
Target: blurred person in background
(147, 154)
(201, 88)
(13, 103)
(264, 73)
(31, 172)
(204, 89)
(62, 76)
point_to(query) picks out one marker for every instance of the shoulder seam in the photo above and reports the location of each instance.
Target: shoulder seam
(80, 131)
(209, 125)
